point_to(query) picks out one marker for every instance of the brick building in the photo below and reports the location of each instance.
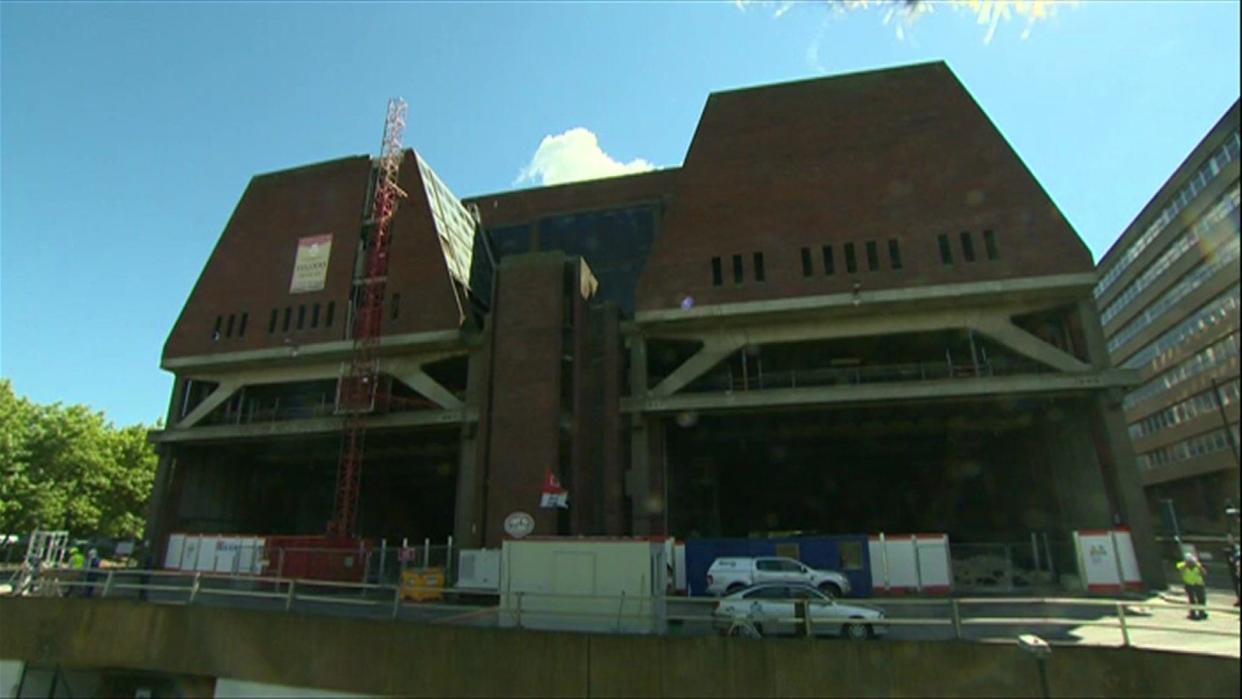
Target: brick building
(1168, 299)
(851, 309)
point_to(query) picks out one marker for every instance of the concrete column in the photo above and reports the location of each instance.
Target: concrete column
(160, 506)
(1077, 479)
(1116, 454)
(468, 513)
(638, 478)
(524, 417)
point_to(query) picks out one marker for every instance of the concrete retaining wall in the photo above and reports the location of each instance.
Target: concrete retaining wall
(381, 657)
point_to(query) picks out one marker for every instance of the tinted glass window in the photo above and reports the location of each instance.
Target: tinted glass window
(512, 240)
(829, 265)
(807, 270)
(614, 242)
(768, 565)
(989, 242)
(894, 254)
(946, 253)
(968, 247)
(851, 262)
(873, 256)
(717, 272)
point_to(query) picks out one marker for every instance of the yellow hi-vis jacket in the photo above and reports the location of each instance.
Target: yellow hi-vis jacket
(77, 560)
(1192, 573)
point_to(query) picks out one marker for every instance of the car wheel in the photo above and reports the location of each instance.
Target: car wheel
(857, 632)
(830, 590)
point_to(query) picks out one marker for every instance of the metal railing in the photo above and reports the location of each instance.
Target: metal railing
(730, 380)
(674, 615)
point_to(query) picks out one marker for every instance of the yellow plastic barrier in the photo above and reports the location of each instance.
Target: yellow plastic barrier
(423, 585)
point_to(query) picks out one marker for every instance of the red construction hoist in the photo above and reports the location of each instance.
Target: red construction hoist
(357, 387)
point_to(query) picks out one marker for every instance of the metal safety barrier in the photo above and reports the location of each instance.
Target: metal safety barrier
(956, 615)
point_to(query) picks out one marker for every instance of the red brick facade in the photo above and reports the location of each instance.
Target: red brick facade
(901, 155)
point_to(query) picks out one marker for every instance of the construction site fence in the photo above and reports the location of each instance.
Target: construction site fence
(1039, 563)
(955, 617)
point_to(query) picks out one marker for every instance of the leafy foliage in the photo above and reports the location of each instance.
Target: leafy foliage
(67, 467)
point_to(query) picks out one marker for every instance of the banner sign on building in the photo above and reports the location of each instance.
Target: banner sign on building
(553, 495)
(310, 267)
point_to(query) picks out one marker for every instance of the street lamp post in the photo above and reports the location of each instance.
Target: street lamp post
(1041, 651)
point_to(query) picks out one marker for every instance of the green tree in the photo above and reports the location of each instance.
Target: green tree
(67, 467)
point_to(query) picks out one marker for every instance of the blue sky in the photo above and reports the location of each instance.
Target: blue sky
(128, 131)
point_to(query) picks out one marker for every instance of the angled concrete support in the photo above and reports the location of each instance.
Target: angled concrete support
(1003, 330)
(714, 350)
(409, 371)
(223, 392)
(429, 388)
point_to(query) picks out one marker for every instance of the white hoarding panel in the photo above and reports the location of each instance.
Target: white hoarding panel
(910, 563)
(250, 556)
(933, 555)
(227, 550)
(172, 557)
(1129, 561)
(902, 571)
(189, 552)
(1106, 560)
(605, 585)
(207, 554)
(679, 566)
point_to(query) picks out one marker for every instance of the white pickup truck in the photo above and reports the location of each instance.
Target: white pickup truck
(728, 575)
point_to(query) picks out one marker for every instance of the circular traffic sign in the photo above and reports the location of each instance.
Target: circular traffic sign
(519, 524)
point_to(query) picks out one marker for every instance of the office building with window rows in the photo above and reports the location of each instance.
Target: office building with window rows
(1168, 299)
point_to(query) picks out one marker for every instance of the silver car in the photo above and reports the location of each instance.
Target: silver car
(772, 609)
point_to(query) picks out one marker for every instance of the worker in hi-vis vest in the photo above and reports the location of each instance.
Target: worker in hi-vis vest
(77, 564)
(1192, 577)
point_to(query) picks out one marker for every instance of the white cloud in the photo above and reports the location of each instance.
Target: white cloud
(572, 156)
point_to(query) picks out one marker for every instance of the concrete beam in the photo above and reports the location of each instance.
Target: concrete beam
(1047, 291)
(295, 428)
(884, 392)
(223, 392)
(282, 374)
(335, 351)
(1005, 332)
